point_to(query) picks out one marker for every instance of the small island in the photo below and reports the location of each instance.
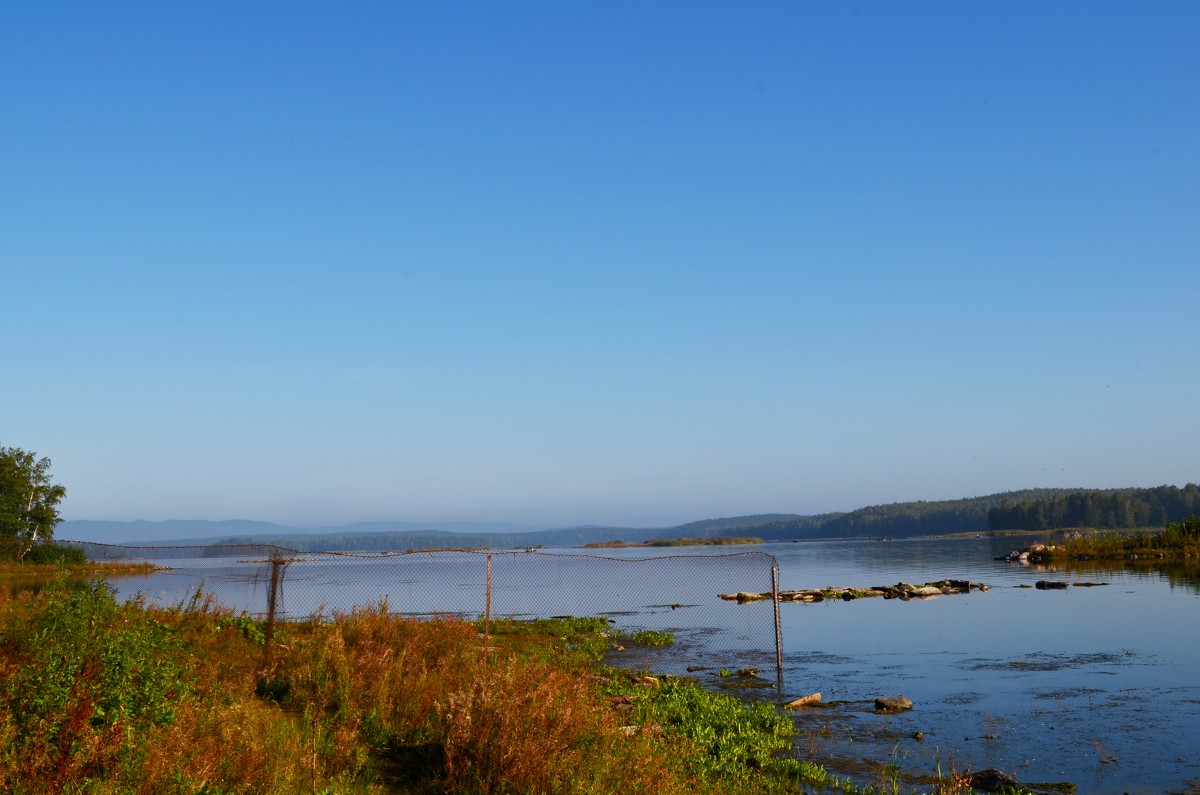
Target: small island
(1176, 541)
(714, 541)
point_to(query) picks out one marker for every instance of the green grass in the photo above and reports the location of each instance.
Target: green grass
(1176, 540)
(652, 638)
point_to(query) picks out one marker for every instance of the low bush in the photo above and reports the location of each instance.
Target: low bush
(53, 554)
(81, 672)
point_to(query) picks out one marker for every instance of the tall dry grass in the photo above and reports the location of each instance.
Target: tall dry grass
(364, 702)
(424, 693)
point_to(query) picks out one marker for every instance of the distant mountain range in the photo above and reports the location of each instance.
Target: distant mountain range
(895, 520)
(199, 531)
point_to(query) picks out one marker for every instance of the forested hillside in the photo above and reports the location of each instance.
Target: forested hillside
(896, 520)
(1100, 508)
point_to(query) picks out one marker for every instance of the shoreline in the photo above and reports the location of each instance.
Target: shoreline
(715, 541)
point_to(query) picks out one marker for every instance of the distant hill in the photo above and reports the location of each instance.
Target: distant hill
(1099, 508)
(895, 520)
(173, 531)
(340, 541)
(365, 536)
(898, 519)
(707, 528)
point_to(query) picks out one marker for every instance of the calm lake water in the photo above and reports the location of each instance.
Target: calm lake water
(1096, 686)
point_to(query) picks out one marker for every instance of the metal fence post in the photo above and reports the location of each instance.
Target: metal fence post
(278, 563)
(487, 615)
(778, 631)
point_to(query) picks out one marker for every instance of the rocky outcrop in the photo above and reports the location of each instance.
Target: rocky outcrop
(1033, 553)
(900, 590)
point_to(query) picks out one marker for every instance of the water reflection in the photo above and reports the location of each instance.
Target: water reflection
(1184, 575)
(1049, 686)
(17, 586)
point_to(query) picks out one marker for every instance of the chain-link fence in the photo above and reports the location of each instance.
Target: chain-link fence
(674, 591)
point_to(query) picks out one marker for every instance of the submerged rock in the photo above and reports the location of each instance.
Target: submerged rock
(901, 590)
(741, 597)
(992, 780)
(804, 701)
(892, 704)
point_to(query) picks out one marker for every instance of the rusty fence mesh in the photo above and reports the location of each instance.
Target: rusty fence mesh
(672, 590)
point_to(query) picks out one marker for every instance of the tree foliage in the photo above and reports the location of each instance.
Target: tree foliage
(894, 520)
(28, 497)
(1099, 508)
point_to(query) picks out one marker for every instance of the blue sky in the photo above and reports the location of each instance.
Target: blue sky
(629, 263)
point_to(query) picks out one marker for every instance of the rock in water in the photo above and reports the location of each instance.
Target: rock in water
(804, 701)
(892, 703)
(992, 780)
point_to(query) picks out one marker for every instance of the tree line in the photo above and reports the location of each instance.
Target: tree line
(29, 501)
(893, 520)
(1099, 508)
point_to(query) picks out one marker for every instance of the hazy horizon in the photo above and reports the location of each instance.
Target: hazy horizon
(534, 526)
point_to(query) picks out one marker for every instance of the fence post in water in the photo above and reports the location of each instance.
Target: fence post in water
(778, 632)
(487, 614)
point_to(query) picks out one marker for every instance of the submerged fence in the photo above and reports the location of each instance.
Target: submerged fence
(676, 592)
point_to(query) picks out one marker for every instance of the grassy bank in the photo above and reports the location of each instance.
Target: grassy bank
(102, 697)
(24, 559)
(85, 569)
(1176, 541)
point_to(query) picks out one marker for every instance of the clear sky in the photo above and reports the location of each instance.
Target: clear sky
(635, 263)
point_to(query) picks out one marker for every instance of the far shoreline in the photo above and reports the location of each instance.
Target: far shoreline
(715, 541)
(115, 569)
